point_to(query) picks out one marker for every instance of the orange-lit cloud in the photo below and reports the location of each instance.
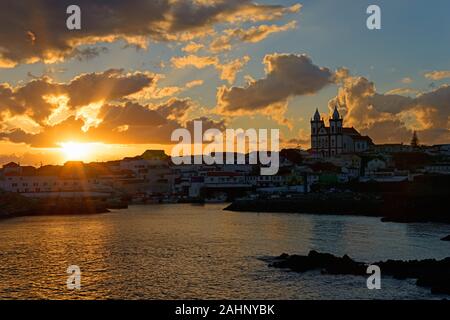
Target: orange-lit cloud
(227, 70)
(437, 75)
(41, 98)
(231, 69)
(156, 92)
(198, 62)
(287, 75)
(402, 91)
(193, 47)
(391, 117)
(31, 32)
(251, 35)
(123, 123)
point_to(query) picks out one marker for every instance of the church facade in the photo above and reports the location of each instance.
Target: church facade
(335, 139)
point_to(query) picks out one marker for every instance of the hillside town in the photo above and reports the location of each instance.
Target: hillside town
(338, 155)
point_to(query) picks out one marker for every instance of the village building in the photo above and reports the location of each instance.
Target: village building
(335, 139)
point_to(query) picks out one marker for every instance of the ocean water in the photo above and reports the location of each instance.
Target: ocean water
(202, 252)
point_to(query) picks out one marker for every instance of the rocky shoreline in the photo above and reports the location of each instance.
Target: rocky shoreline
(14, 205)
(430, 273)
(421, 200)
(389, 207)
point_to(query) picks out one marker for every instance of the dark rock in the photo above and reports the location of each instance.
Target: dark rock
(430, 273)
(324, 261)
(447, 238)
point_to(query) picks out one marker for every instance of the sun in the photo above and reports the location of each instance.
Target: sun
(74, 151)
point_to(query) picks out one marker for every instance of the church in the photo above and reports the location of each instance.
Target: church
(335, 139)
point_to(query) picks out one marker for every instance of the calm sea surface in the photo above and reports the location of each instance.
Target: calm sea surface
(189, 251)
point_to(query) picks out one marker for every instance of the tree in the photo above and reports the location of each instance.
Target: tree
(415, 140)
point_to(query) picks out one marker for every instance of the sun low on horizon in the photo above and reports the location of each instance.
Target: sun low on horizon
(72, 150)
(77, 151)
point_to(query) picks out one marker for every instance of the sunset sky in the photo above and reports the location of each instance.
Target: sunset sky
(137, 70)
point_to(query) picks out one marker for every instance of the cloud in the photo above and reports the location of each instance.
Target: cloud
(255, 12)
(8, 101)
(437, 75)
(93, 107)
(39, 98)
(130, 114)
(198, 62)
(175, 109)
(88, 53)
(105, 86)
(49, 136)
(402, 91)
(230, 69)
(130, 123)
(194, 83)
(302, 139)
(193, 47)
(227, 70)
(156, 92)
(407, 80)
(252, 35)
(388, 117)
(287, 75)
(31, 32)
